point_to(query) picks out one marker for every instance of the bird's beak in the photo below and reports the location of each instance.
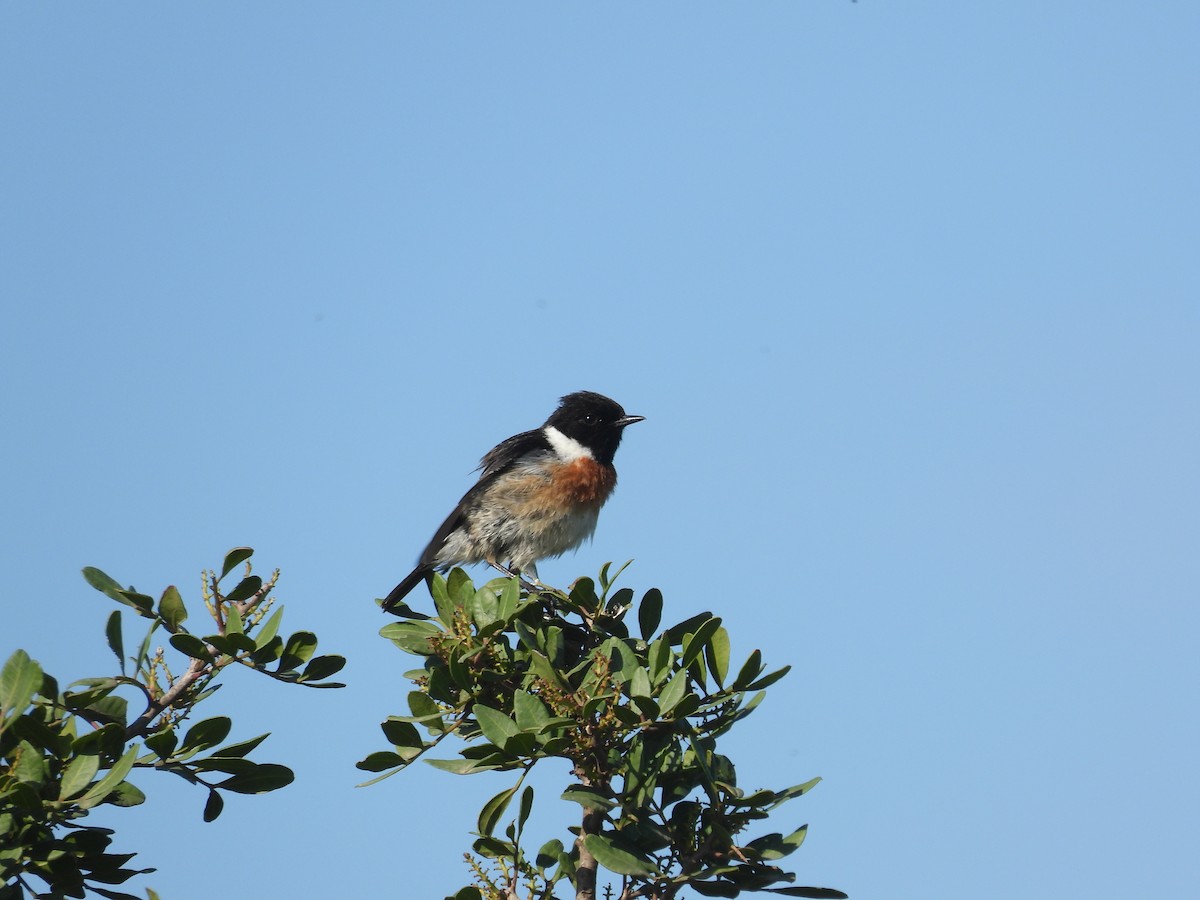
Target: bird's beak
(629, 420)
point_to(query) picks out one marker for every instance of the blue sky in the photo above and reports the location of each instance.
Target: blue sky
(908, 294)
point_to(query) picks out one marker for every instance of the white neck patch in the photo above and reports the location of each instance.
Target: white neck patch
(567, 448)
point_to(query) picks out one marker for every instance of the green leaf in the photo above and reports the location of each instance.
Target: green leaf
(233, 765)
(693, 644)
(241, 748)
(213, 806)
(171, 608)
(609, 578)
(78, 775)
(768, 680)
(659, 660)
(233, 623)
(269, 652)
(297, 651)
(494, 809)
(144, 647)
(411, 637)
(558, 723)
(617, 605)
(234, 557)
(142, 603)
(715, 888)
(588, 798)
(650, 613)
(815, 893)
(190, 645)
(125, 795)
(467, 893)
(97, 689)
(460, 766)
(106, 785)
(533, 640)
(613, 858)
(265, 777)
(495, 725)
(29, 767)
(750, 670)
(484, 608)
(108, 741)
(19, 681)
(676, 633)
(439, 684)
(797, 790)
(639, 685)
(510, 597)
(776, 846)
(493, 848)
(673, 692)
(459, 674)
(116, 639)
(444, 607)
(244, 589)
(530, 712)
(207, 733)
(549, 853)
(625, 661)
(554, 642)
(228, 644)
(322, 667)
(583, 595)
(110, 709)
(437, 588)
(541, 666)
(459, 589)
(103, 583)
(401, 734)
(526, 808)
(426, 710)
(269, 629)
(112, 873)
(24, 798)
(717, 653)
(380, 761)
(163, 742)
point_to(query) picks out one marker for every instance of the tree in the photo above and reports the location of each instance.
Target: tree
(65, 752)
(523, 673)
(519, 673)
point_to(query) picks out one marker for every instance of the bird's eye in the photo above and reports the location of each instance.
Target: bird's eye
(588, 419)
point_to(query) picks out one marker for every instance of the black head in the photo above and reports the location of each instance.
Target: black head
(594, 421)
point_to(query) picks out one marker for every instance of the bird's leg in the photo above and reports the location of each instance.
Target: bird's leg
(534, 584)
(511, 571)
(545, 594)
(532, 577)
(528, 577)
(503, 570)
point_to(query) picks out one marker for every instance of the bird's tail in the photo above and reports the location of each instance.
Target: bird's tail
(400, 591)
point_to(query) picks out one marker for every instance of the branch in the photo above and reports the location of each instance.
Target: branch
(585, 872)
(196, 670)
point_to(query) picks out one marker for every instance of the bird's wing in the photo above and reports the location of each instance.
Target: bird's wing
(504, 455)
(495, 463)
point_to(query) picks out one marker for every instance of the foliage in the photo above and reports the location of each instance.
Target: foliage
(65, 752)
(528, 674)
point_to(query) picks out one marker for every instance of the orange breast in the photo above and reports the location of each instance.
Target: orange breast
(585, 481)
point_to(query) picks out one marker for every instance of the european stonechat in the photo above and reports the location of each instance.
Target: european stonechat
(539, 494)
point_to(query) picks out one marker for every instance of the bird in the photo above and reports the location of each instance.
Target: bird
(539, 494)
